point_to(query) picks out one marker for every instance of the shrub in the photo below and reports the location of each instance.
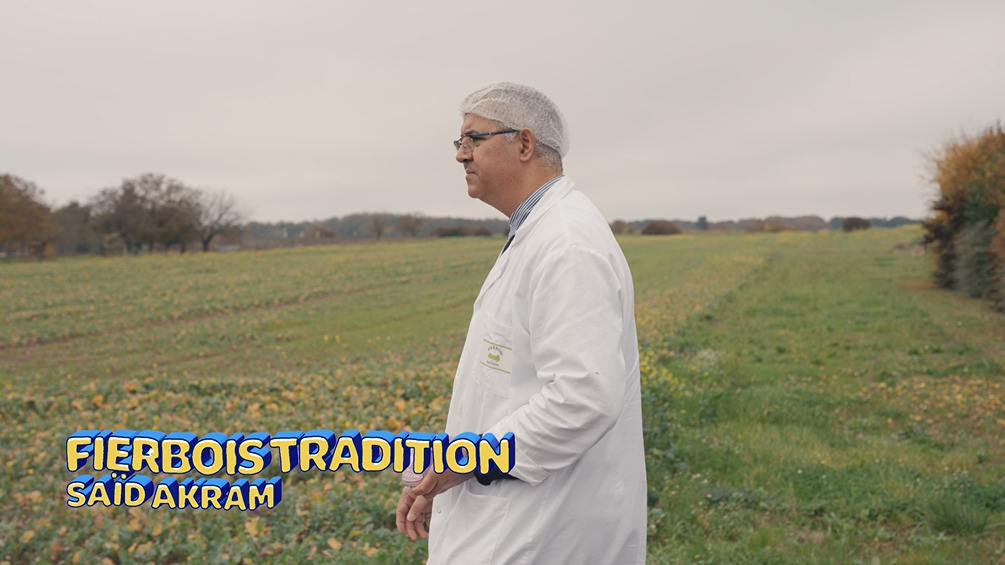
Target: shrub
(661, 227)
(996, 283)
(969, 172)
(974, 263)
(996, 287)
(854, 224)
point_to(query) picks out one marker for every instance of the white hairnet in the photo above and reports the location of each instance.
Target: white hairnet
(517, 106)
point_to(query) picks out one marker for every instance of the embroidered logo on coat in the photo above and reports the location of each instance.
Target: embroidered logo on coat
(496, 357)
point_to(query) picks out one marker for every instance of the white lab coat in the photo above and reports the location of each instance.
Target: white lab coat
(559, 303)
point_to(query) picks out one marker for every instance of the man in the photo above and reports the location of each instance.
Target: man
(557, 313)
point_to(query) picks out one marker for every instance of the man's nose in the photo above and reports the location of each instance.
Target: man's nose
(463, 155)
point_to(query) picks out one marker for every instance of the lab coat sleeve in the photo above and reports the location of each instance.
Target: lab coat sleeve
(575, 327)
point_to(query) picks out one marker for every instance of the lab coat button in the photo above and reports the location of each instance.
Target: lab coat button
(439, 510)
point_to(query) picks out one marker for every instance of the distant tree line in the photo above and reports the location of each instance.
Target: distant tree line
(462, 230)
(149, 212)
(967, 228)
(661, 227)
(753, 225)
(154, 212)
(367, 225)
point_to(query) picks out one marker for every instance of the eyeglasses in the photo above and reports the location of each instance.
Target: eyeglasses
(458, 145)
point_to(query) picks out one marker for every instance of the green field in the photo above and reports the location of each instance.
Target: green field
(809, 398)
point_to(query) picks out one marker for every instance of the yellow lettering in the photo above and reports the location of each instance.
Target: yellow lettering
(454, 456)
(211, 497)
(197, 457)
(398, 461)
(134, 495)
(369, 444)
(115, 453)
(77, 498)
(235, 499)
(345, 454)
(99, 454)
(285, 446)
(188, 495)
(98, 494)
(73, 454)
(307, 458)
(439, 462)
(169, 456)
(163, 495)
(418, 453)
(146, 451)
(486, 455)
(232, 461)
(264, 495)
(258, 463)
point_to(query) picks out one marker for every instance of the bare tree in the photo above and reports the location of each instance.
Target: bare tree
(379, 223)
(218, 212)
(410, 224)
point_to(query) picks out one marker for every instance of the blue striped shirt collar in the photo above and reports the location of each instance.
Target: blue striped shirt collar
(523, 210)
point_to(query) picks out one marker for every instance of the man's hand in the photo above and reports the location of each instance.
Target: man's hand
(415, 507)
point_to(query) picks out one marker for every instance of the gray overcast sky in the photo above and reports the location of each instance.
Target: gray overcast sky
(308, 110)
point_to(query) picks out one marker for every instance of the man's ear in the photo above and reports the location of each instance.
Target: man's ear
(527, 144)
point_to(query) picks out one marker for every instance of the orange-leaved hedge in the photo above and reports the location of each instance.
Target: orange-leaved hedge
(967, 229)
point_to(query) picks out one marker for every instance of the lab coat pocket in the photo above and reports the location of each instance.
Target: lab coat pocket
(484, 519)
(495, 357)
